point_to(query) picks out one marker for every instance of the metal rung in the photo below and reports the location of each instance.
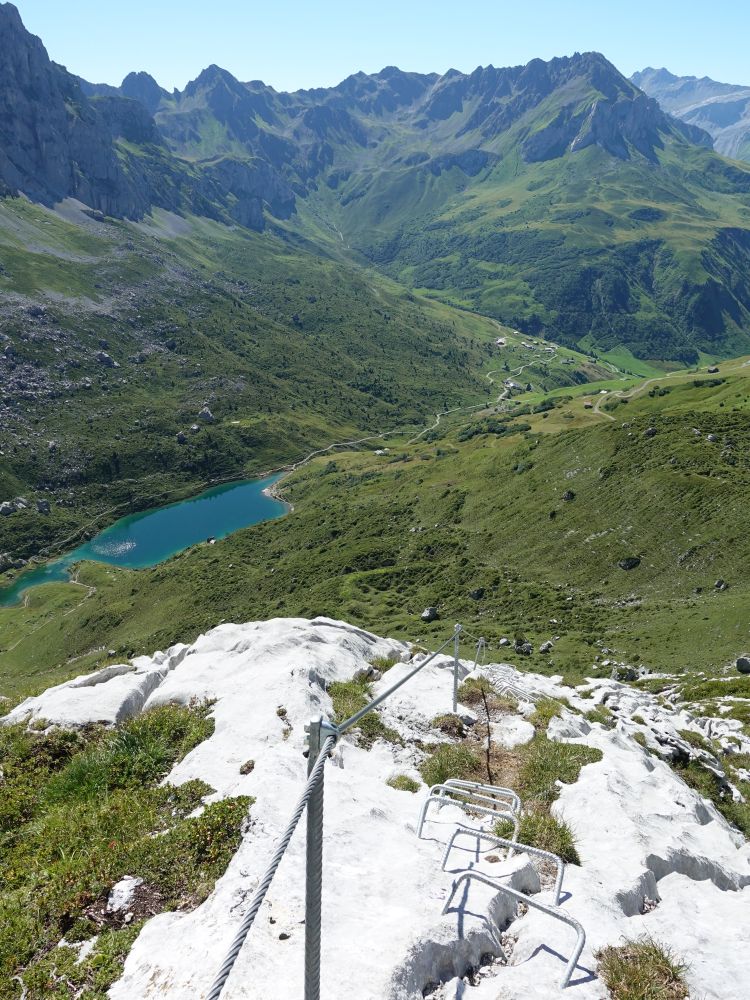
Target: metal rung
(472, 804)
(522, 897)
(512, 845)
(517, 692)
(497, 790)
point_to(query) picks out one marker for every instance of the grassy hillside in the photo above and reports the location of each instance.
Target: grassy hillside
(507, 520)
(115, 335)
(590, 250)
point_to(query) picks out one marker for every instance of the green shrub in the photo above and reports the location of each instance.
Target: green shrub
(716, 688)
(96, 810)
(403, 783)
(450, 761)
(142, 751)
(642, 970)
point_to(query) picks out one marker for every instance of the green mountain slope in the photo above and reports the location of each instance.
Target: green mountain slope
(507, 521)
(115, 335)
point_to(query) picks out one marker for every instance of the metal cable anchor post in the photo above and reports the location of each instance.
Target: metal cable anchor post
(480, 651)
(318, 731)
(456, 651)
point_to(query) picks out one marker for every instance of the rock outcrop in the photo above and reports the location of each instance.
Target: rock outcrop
(656, 858)
(60, 138)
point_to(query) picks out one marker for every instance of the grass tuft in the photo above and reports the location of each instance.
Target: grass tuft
(348, 698)
(543, 830)
(642, 970)
(403, 783)
(545, 763)
(449, 761)
(449, 724)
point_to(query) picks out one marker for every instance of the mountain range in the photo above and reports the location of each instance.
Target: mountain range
(554, 196)
(722, 109)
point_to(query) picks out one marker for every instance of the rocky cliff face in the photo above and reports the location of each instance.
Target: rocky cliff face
(60, 138)
(53, 142)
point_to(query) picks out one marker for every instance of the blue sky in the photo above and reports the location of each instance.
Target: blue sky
(291, 43)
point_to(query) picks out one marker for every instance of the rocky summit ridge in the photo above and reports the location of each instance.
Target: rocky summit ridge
(655, 857)
(64, 137)
(555, 195)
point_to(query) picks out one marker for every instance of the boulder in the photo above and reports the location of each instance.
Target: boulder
(721, 584)
(630, 562)
(42, 506)
(546, 646)
(743, 664)
(511, 731)
(623, 673)
(206, 415)
(568, 495)
(429, 614)
(524, 648)
(368, 673)
(650, 432)
(106, 359)
(477, 594)
(504, 642)
(7, 507)
(181, 437)
(122, 894)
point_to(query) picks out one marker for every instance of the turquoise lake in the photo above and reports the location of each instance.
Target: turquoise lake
(148, 538)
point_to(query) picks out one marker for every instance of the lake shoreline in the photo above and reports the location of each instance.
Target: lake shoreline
(150, 537)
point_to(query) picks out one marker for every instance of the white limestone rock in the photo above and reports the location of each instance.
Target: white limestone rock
(656, 858)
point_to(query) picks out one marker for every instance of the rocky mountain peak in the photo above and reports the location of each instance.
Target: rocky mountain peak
(210, 78)
(9, 16)
(51, 141)
(143, 87)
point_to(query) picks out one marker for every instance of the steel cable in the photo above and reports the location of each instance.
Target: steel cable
(260, 894)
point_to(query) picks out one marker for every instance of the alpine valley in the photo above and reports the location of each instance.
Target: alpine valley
(352, 363)
(215, 283)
